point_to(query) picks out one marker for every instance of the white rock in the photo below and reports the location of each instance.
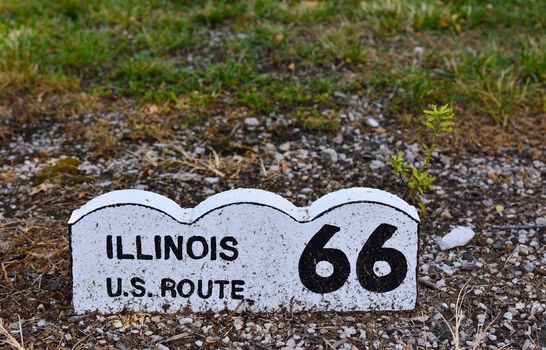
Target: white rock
(418, 51)
(420, 318)
(212, 180)
(291, 343)
(330, 155)
(185, 321)
(458, 237)
(376, 164)
(285, 146)
(529, 267)
(446, 215)
(252, 122)
(372, 122)
(523, 249)
(541, 221)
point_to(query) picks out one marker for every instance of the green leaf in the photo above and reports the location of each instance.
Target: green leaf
(399, 166)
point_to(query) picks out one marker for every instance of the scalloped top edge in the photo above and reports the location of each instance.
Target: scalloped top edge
(243, 195)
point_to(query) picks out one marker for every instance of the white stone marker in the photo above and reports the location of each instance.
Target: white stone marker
(354, 249)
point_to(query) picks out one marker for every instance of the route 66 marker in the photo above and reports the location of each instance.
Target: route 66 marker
(351, 250)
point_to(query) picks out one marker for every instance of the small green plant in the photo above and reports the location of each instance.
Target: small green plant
(438, 122)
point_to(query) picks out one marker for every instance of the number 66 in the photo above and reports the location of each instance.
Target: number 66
(371, 252)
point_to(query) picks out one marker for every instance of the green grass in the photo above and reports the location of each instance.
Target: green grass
(487, 58)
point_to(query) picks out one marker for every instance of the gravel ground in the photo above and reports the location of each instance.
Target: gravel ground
(492, 289)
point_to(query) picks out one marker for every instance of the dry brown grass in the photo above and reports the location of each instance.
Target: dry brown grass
(100, 135)
(146, 125)
(454, 327)
(9, 339)
(5, 133)
(36, 95)
(13, 84)
(214, 164)
(40, 246)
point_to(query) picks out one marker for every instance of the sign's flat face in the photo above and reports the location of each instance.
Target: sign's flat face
(354, 249)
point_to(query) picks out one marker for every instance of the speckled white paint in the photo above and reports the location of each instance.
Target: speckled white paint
(271, 234)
